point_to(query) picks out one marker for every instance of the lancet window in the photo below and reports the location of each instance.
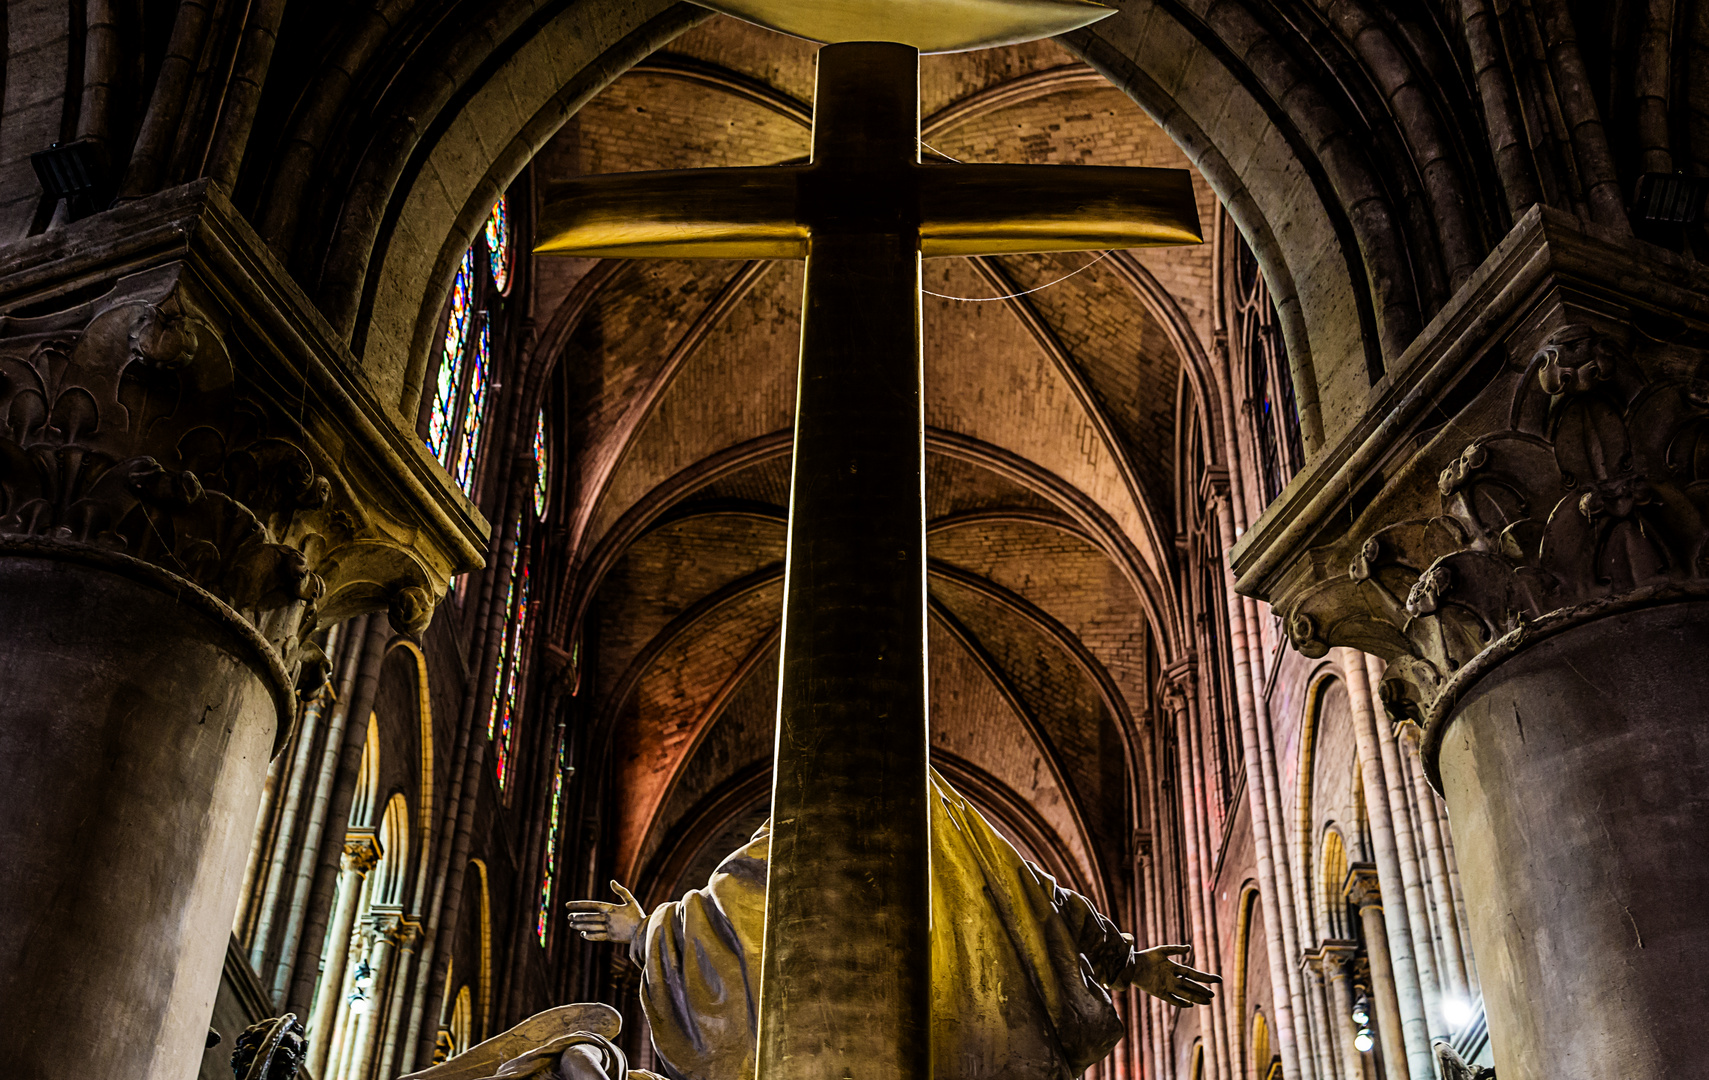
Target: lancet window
(1259, 350)
(541, 464)
(497, 236)
(508, 682)
(549, 867)
(457, 412)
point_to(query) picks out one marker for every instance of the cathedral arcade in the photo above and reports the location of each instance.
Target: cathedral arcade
(1329, 596)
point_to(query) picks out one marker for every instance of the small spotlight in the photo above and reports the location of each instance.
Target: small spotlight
(1363, 1041)
(1456, 1012)
(1362, 1011)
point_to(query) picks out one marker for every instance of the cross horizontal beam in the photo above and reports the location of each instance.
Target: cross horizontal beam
(770, 212)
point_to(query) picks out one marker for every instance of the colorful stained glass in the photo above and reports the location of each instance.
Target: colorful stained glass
(540, 464)
(513, 682)
(510, 613)
(448, 387)
(551, 862)
(498, 244)
(474, 415)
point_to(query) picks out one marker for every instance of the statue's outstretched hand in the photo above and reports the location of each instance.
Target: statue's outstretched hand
(599, 921)
(1158, 975)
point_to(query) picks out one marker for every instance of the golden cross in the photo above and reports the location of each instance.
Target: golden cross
(846, 972)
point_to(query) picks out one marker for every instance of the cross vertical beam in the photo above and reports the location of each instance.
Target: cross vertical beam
(846, 975)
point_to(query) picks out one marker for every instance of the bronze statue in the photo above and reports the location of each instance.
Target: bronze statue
(1022, 972)
(1021, 967)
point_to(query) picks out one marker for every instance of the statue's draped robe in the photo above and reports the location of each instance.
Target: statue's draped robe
(1019, 964)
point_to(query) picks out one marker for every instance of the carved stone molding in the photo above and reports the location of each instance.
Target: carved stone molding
(1362, 888)
(1539, 457)
(361, 852)
(170, 396)
(1334, 956)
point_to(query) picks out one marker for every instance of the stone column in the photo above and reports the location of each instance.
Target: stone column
(406, 935)
(385, 934)
(1336, 960)
(361, 854)
(1522, 537)
(187, 487)
(1400, 964)
(1366, 896)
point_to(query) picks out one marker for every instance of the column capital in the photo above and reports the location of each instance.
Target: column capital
(1331, 958)
(174, 408)
(1179, 684)
(1362, 888)
(388, 924)
(1536, 458)
(361, 852)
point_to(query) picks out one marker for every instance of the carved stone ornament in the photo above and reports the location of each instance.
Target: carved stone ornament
(1454, 1067)
(271, 1049)
(1574, 480)
(1361, 887)
(171, 420)
(361, 852)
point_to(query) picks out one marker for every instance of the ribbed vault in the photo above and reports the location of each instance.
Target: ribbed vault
(1051, 438)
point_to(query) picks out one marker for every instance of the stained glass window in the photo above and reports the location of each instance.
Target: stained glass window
(507, 675)
(448, 387)
(474, 413)
(551, 845)
(498, 244)
(1270, 386)
(540, 464)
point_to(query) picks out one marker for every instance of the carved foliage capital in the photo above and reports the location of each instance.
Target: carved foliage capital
(361, 852)
(146, 423)
(1591, 484)
(1362, 888)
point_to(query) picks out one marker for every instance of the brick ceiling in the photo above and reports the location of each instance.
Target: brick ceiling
(1051, 472)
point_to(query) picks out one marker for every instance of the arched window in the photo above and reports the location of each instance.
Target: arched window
(1258, 350)
(497, 235)
(540, 464)
(461, 1029)
(1333, 878)
(508, 676)
(1260, 1045)
(457, 413)
(541, 921)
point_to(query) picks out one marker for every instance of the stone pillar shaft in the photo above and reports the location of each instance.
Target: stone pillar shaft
(1411, 1028)
(360, 855)
(1613, 757)
(1199, 912)
(1391, 1025)
(1410, 864)
(136, 718)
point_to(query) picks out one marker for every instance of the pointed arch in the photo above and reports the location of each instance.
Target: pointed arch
(425, 785)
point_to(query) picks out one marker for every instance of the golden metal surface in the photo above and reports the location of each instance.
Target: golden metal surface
(928, 25)
(846, 975)
(768, 213)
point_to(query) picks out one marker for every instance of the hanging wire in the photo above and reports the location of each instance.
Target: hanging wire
(1102, 255)
(1024, 292)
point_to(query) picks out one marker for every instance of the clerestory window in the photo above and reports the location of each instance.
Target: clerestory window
(457, 413)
